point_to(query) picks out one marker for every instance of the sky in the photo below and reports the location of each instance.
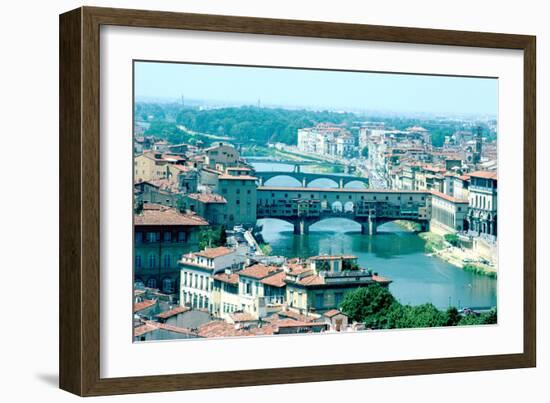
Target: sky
(335, 90)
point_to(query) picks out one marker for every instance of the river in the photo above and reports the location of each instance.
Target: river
(393, 252)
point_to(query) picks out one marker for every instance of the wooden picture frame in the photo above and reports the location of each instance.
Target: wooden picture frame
(79, 346)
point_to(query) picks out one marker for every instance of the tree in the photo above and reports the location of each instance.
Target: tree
(486, 318)
(453, 317)
(452, 239)
(369, 305)
(419, 316)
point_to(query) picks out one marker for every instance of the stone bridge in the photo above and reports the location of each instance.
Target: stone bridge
(303, 207)
(306, 178)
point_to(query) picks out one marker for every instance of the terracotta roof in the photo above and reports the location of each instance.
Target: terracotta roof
(484, 174)
(258, 271)
(242, 317)
(311, 280)
(296, 316)
(296, 268)
(172, 312)
(447, 197)
(333, 312)
(150, 326)
(183, 168)
(168, 216)
(207, 197)
(286, 323)
(146, 328)
(220, 328)
(140, 306)
(175, 329)
(232, 278)
(213, 253)
(264, 330)
(276, 280)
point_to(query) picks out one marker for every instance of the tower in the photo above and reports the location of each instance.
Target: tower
(478, 146)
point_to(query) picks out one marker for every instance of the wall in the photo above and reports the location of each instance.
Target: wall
(29, 91)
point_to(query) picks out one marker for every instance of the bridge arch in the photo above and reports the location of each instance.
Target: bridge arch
(322, 182)
(273, 179)
(413, 225)
(355, 184)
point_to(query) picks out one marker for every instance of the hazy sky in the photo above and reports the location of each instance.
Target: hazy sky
(332, 89)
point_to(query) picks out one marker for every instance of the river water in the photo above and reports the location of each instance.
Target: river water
(393, 252)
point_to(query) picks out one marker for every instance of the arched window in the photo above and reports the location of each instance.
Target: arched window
(152, 283)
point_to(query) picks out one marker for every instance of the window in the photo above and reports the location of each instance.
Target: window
(248, 191)
(238, 201)
(224, 191)
(137, 261)
(138, 237)
(152, 261)
(167, 261)
(319, 300)
(152, 283)
(238, 191)
(167, 236)
(152, 236)
(184, 278)
(181, 236)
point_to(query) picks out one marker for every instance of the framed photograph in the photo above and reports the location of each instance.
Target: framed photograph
(248, 201)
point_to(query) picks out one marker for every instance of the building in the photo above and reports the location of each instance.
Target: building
(322, 283)
(197, 270)
(336, 320)
(159, 191)
(327, 139)
(211, 206)
(161, 236)
(185, 177)
(238, 188)
(221, 156)
(153, 165)
(261, 290)
(482, 214)
(448, 213)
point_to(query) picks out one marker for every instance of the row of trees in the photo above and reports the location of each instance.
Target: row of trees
(262, 125)
(258, 124)
(377, 308)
